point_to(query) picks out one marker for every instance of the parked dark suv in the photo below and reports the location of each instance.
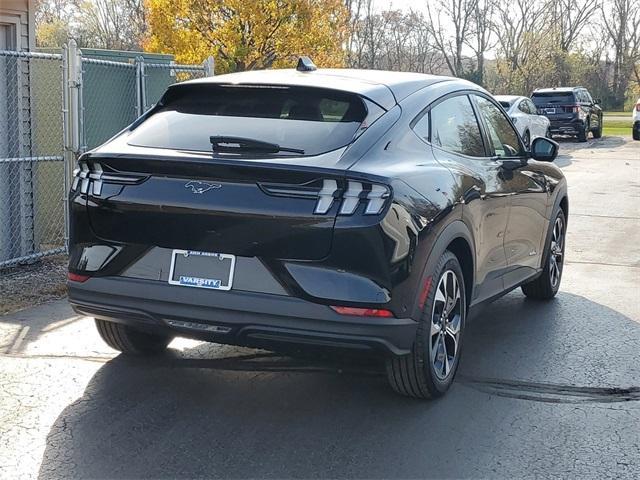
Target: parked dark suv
(571, 111)
(337, 208)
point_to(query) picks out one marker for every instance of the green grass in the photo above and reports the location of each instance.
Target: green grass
(617, 127)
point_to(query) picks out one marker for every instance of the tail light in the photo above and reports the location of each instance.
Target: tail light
(90, 177)
(351, 194)
(637, 107)
(575, 108)
(75, 277)
(373, 195)
(363, 312)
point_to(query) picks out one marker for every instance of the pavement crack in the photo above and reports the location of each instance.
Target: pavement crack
(549, 392)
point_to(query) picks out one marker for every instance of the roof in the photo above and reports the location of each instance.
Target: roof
(556, 89)
(508, 98)
(383, 87)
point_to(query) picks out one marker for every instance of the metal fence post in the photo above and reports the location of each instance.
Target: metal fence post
(139, 87)
(209, 66)
(66, 151)
(71, 118)
(143, 86)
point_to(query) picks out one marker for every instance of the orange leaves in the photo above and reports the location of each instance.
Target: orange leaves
(248, 34)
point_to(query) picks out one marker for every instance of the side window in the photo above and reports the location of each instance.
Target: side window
(532, 108)
(588, 97)
(523, 107)
(421, 127)
(454, 127)
(504, 138)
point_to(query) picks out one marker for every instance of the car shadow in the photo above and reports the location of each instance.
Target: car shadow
(240, 413)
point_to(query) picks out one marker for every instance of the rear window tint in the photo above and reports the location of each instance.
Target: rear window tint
(549, 98)
(505, 105)
(311, 119)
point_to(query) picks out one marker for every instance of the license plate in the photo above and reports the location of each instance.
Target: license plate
(191, 268)
(550, 110)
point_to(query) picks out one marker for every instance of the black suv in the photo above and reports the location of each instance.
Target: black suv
(571, 111)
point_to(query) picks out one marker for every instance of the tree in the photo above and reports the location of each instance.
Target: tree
(622, 26)
(248, 34)
(481, 36)
(524, 48)
(390, 40)
(441, 18)
(113, 24)
(569, 17)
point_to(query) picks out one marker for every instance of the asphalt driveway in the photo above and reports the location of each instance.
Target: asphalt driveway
(544, 390)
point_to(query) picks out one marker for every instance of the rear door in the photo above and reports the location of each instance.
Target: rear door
(594, 110)
(538, 122)
(458, 143)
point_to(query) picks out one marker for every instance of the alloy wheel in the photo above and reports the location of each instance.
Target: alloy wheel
(445, 325)
(556, 256)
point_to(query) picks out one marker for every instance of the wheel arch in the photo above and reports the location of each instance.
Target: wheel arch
(458, 239)
(561, 202)
(564, 204)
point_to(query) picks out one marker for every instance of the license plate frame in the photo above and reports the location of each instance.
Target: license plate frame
(196, 280)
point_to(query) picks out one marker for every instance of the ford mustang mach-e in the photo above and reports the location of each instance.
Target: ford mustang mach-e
(354, 209)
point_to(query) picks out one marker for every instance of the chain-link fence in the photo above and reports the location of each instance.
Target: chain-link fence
(109, 99)
(31, 162)
(55, 108)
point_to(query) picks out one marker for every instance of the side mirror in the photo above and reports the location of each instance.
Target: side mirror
(543, 149)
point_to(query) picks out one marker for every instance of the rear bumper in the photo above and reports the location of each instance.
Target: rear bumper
(571, 127)
(236, 317)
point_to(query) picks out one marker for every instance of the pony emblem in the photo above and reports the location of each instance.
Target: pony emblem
(199, 187)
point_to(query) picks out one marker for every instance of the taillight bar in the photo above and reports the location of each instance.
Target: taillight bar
(351, 195)
(89, 178)
(374, 196)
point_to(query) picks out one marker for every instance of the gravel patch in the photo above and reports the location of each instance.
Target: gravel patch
(24, 286)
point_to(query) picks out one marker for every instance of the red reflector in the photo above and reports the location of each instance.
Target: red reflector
(425, 292)
(74, 277)
(363, 312)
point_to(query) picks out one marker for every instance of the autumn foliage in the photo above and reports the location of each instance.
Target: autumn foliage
(248, 34)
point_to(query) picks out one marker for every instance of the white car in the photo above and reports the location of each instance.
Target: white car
(635, 116)
(524, 115)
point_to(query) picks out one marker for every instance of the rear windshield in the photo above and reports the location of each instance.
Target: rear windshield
(548, 98)
(505, 105)
(311, 119)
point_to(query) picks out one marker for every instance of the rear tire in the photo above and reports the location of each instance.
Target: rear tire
(526, 139)
(131, 341)
(429, 370)
(636, 133)
(547, 284)
(597, 133)
(582, 135)
(548, 133)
